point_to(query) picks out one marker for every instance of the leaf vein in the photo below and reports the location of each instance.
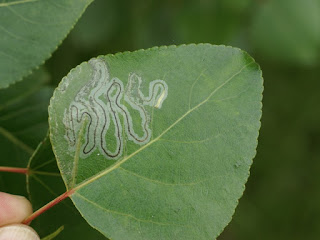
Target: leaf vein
(192, 86)
(8, 135)
(190, 142)
(11, 33)
(9, 56)
(44, 164)
(44, 185)
(157, 181)
(123, 214)
(16, 3)
(50, 174)
(16, 114)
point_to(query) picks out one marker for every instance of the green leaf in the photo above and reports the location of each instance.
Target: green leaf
(288, 31)
(23, 124)
(44, 184)
(157, 143)
(23, 89)
(30, 31)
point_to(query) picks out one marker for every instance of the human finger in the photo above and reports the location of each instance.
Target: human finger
(13, 209)
(18, 232)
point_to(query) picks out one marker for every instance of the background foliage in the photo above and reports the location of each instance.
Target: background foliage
(282, 196)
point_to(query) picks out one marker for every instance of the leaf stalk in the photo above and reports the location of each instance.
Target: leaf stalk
(48, 206)
(14, 170)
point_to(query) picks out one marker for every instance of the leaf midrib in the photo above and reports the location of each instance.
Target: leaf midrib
(119, 163)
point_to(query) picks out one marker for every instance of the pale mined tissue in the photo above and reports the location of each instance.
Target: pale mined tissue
(99, 101)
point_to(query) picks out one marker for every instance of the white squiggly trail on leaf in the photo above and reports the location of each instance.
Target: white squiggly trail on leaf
(100, 102)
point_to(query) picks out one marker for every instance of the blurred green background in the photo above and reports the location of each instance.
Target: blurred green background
(282, 197)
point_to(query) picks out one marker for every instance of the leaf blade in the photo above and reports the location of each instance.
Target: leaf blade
(158, 186)
(31, 31)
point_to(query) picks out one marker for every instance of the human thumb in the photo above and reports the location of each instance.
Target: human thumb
(18, 232)
(13, 209)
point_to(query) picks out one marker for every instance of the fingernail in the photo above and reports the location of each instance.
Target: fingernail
(18, 232)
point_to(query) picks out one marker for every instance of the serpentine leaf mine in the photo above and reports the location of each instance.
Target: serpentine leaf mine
(101, 102)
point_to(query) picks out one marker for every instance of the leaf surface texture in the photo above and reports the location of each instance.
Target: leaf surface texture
(157, 143)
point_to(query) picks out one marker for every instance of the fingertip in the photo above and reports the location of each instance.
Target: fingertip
(13, 208)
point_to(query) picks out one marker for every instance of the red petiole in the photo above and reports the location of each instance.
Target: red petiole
(48, 206)
(45, 207)
(14, 170)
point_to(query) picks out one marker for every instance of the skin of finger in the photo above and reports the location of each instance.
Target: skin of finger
(18, 232)
(13, 209)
